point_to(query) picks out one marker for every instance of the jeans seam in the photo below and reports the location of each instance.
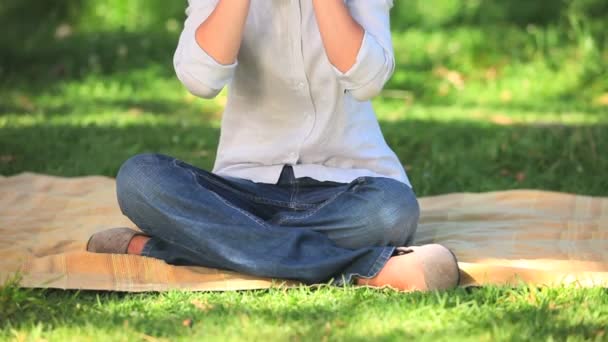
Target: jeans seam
(174, 242)
(244, 212)
(359, 181)
(263, 200)
(253, 198)
(215, 182)
(312, 212)
(291, 189)
(255, 219)
(295, 194)
(211, 180)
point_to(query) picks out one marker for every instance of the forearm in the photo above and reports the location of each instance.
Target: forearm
(342, 35)
(221, 34)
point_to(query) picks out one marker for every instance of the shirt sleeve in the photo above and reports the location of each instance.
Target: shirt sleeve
(375, 62)
(202, 75)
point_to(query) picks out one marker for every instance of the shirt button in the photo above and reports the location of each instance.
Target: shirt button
(292, 155)
(301, 85)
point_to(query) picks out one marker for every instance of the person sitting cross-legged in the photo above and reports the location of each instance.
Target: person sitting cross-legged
(304, 186)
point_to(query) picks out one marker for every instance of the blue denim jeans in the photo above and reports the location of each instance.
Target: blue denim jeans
(300, 228)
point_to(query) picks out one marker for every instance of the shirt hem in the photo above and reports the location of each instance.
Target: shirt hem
(270, 173)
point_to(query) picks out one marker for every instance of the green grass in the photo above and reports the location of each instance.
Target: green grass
(472, 107)
(488, 314)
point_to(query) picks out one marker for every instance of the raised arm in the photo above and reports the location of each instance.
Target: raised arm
(205, 58)
(357, 40)
(221, 34)
(341, 34)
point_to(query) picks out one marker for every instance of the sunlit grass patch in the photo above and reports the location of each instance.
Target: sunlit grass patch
(490, 313)
(536, 67)
(393, 109)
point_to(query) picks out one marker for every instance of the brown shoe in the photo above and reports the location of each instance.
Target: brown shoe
(418, 268)
(112, 241)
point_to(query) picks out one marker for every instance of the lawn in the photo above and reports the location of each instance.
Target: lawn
(484, 98)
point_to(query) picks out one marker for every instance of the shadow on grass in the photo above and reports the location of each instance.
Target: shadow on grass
(463, 156)
(74, 151)
(45, 62)
(440, 157)
(513, 324)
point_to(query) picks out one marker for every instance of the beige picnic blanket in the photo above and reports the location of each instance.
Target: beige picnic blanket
(504, 237)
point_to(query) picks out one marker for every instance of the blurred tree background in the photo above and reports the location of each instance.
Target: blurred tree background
(441, 44)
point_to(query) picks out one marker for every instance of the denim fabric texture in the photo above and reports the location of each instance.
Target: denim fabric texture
(299, 228)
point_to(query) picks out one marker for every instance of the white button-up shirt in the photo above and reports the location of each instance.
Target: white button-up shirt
(287, 104)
